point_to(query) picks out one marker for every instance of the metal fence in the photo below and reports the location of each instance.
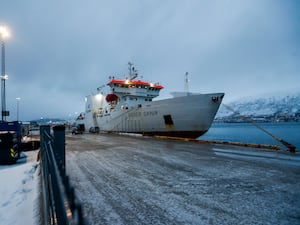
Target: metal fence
(59, 203)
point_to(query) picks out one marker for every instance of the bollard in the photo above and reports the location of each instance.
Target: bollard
(59, 145)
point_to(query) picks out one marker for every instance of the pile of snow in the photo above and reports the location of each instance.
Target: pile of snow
(19, 191)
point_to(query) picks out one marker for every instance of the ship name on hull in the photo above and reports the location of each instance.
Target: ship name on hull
(139, 114)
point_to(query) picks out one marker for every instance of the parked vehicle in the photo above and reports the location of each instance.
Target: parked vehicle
(79, 129)
(94, 130)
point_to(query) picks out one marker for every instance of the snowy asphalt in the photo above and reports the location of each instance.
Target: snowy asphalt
(141, 180)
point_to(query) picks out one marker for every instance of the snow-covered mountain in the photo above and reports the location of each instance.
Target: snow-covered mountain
(263, 106)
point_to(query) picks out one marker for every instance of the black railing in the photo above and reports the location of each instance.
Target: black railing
(59, 204)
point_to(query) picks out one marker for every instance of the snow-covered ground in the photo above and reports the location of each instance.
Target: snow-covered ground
(141, 180)
(19, 191)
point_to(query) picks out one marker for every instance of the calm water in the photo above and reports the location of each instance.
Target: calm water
(248, 133)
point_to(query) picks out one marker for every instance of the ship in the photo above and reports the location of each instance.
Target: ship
(129, 106)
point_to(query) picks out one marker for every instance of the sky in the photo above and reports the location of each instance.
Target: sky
(59, 51)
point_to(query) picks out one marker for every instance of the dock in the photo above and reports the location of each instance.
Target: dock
(123, 179)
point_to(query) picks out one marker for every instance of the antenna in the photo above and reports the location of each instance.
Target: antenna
(186, 82)
(130, 68)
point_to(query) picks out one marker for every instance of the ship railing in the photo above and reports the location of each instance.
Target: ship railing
(59, 205)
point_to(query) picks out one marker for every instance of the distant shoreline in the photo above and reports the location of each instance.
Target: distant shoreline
(277, 118)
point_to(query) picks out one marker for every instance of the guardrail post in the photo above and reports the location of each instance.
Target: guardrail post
(45, 201)
(59, 145)
(59, 203)
(43, 129)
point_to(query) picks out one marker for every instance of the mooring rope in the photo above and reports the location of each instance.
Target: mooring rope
(291, 147)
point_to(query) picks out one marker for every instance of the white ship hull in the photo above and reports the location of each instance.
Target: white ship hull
(186, 116)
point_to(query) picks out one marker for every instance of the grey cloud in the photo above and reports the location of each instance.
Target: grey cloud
(64, 50)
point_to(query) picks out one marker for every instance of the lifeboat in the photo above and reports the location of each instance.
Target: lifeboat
(111, 97)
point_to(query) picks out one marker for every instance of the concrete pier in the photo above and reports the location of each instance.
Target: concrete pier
(142, 180)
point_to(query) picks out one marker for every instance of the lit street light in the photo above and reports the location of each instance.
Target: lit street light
(3, 35)
(18, 102)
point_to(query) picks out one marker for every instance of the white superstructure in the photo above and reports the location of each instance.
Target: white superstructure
(129, 108)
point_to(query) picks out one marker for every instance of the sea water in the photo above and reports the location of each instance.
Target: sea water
(248, 133)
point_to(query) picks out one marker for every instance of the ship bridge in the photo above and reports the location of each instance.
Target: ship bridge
(135, 88)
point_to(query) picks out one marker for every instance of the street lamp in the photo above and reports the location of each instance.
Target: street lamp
(18, 102)
(3, 35)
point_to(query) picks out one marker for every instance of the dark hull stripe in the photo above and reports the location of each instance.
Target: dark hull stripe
(181, 134)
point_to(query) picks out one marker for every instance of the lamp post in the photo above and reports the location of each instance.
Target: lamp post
(18, 102)
(3, 35)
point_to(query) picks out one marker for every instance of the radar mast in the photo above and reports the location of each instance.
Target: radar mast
(133, 73)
